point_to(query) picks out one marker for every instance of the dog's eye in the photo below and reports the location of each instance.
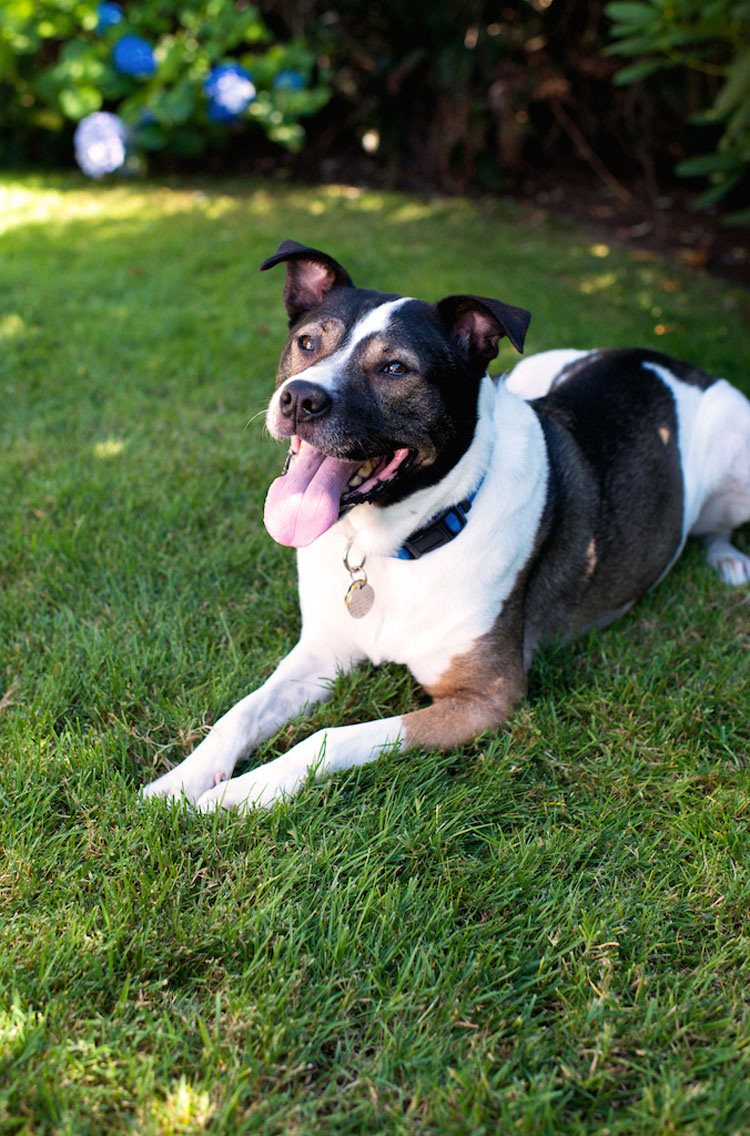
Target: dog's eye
(306, 342)
(396, 368)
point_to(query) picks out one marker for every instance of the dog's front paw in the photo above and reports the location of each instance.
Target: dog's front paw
(264, 786)
(256, 789)
(187, 781)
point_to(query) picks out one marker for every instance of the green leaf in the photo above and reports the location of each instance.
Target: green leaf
(736, 90)
(718, 191)
(706, 164)
(77, 102)
(175, 105)
(741, 217)
(289, 135)
(637, 71)
(636, 45)
(48, 119)
(625, 12)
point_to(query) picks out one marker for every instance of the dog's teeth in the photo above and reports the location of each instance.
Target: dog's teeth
(363, 474)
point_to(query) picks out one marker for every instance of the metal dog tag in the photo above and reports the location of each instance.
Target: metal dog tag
(359, 598)
(360, 595)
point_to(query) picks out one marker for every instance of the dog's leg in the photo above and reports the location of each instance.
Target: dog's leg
(726, 464)
(302, 678)
(341, 747)
(732, 565)
(448, 722)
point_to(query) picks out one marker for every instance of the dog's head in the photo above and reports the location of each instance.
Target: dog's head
(377, 392)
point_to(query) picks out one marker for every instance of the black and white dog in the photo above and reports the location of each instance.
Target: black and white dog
(453, 522)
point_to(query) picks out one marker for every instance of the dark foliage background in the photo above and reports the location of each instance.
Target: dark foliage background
(476, 94)
(455, 96)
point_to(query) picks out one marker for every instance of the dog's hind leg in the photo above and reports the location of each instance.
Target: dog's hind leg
(732, 565)
(726, 468)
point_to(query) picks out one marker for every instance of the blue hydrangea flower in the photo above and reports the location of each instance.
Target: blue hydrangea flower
(132, 55)
(229, 89)
(109, 15)
(288, 80)
(100, 143)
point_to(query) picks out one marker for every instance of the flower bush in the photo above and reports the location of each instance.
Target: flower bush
(134, 56)
(230, 90)
(100, 143)
(107, 80)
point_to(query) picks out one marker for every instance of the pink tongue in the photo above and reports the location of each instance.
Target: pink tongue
(304, 502)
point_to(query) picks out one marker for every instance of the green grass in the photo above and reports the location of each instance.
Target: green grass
(543, 932)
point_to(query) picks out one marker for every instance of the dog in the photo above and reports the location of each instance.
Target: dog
(453, 522)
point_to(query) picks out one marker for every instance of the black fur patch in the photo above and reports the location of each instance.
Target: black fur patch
(614, 512)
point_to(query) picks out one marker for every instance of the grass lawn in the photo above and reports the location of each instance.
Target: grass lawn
(543, 932)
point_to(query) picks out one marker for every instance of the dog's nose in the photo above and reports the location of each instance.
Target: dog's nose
(302, 401)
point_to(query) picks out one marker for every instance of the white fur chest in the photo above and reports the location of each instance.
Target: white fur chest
(427, 611)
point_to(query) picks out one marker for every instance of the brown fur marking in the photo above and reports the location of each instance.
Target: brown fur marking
(294, 360)
(479, 688)
(379, 349)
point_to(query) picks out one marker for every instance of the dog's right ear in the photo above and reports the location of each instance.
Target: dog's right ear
(310, 274)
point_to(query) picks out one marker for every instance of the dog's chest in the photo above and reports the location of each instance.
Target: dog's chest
(424, 612)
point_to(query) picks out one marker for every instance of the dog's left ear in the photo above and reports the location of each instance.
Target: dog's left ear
(478, 324)
(310, 273)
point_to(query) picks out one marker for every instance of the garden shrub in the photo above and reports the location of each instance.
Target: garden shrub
(182, 78)
(712, 39)
(421, 95)
(473, 95)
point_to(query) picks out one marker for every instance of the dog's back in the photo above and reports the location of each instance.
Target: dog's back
(663, 446)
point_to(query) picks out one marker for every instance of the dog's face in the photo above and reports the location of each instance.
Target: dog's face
(377, 392)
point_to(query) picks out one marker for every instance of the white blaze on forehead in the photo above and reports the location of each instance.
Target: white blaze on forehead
(327, 373)
(375, 321)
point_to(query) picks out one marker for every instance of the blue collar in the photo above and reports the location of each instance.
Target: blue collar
(442, 530)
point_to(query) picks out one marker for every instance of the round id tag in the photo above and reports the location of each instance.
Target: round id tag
(359, 598)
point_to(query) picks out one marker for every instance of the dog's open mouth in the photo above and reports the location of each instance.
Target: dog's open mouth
(314, 488)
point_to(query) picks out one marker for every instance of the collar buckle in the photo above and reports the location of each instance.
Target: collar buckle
(439, 532)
